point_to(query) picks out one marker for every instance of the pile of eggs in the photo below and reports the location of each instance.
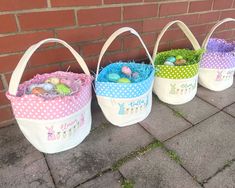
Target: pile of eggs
(175, 61)
(114, 77)
(53, 86)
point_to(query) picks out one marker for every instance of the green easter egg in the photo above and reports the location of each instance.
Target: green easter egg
(63, 89)
(178, 57)
(124, 80)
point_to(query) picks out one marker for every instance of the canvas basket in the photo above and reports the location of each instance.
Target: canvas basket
(176, 84)
(57, 124)
(124, 104)
(217, 66)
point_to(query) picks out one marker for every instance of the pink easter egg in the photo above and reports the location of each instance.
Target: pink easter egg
(126, 70)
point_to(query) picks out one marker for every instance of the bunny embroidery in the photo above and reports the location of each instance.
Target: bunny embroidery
(82, 120)
(121, 109)
(50, 133)
(173, 88)
(219, 76)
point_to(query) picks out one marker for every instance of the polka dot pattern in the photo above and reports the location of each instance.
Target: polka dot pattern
(177, 72)
(122, 90)
(35, 107)
(218, 60)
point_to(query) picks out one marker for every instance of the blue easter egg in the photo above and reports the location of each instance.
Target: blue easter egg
(47, 86)
(171, 59)
(113, 77)
(168, 63)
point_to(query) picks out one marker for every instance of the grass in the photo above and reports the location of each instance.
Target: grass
(177, 114)
(174, 156)
(135, 153)
(127, 184)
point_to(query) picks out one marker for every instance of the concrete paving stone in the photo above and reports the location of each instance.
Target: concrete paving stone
(224, 179)
(21, 165)
(156, 169)
(195, 111)
(163, 122)
(98, 152)
(98, 118)
(230, 109)
(220, 99)
(109, 179)
(206, 147)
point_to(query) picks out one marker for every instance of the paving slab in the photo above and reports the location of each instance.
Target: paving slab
(220, 99)
(21, 165)
(98, 152)
(206, 147)
(109, 179)
(224, 179)
(195, 111)
(156, 169)
(163, 123)
(230, 109)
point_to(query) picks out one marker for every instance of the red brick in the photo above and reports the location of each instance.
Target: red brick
(81, 34)
(11, 5)
(94, 48)
(155, 24)
(227, 14)
(167, 9)
(51, 56)
(3, 99)
(224, 34)
(15, 43)
(100, 15)
(188, 19)
(208, 17)
(198, 6)
(6, 114)
(199, 29)
(108, 30)
(219, 5)
(179, 44)
(67, 3)
(120, 1)
(44, 20)
(175, 34)
(8, 23)
(8, 63)
(1, 84)
(140, 11)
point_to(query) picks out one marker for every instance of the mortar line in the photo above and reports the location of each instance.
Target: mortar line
(208, 102)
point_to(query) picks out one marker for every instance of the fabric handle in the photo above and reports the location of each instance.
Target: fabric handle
(205, 42)
(186, 31)
(113, 37)
(18, 72)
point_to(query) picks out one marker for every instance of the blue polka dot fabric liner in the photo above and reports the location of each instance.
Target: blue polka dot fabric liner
(124, 90)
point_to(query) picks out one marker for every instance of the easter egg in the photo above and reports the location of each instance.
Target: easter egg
(47, 86)
(178, 57)
(53, 80)
(124, 80)
(171, 59)
(66, 81)
(135, 75)
(126, 70)
(113, 77)
(31, 87)
(38, 91)
(63, 89)
(180, 62)
(168, 63)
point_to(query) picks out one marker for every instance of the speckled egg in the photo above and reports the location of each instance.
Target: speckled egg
(53, 80)
(113, 77)
(171, 59)
(168, 63)
(180, 62)
(63, 89)
(38, 91)
(124, 80)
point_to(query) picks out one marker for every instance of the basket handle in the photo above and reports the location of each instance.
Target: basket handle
(18, 72)
(113, 37)
(205, 42)
(186, 31)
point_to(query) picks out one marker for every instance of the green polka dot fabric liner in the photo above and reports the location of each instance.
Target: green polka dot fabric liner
(177, 72)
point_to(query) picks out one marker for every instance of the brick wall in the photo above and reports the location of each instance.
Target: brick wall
(86, 24)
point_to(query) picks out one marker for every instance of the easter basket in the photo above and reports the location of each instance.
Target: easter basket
(52, 124)
(218, 63)
(177, 84)
(124, 104)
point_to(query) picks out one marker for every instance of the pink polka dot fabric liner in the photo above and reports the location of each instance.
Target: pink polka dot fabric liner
(220, 54)
(36, 107)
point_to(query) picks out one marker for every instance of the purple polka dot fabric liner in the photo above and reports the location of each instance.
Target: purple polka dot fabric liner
(220, 54)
